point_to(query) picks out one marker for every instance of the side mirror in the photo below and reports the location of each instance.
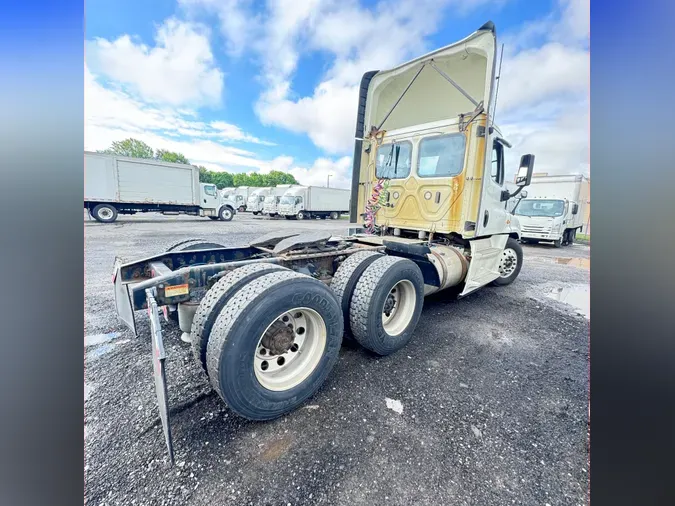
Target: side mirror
(575, 208)
(524, 175)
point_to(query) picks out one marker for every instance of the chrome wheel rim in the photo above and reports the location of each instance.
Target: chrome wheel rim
(508, 262)
(399, 307)
(105, 213)
(290, 349)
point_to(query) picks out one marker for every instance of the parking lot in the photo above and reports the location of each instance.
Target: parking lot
(493, 389)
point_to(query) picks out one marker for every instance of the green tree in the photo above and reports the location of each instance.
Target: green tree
(129, 147)
(228, 180)
(170, 156)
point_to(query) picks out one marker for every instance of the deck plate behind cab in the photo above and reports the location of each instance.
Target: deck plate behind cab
(302, 241)
(273, 238)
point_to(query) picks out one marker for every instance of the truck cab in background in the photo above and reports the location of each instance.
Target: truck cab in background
(543, 219)
(553, 209)
(256, 200)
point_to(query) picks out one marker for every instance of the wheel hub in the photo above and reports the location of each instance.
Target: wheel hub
(389, 304)
(289, 349)
(508, 262)
(279, 338)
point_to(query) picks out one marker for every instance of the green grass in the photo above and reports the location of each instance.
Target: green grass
(584, 237)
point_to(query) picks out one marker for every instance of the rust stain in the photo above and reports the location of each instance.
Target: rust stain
(582, 263)
(276, 449)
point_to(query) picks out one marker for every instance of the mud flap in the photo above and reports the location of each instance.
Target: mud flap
(123, 306)
(484, 265)
(158, 358)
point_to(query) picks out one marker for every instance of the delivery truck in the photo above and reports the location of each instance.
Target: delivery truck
(116, 185)
(256, 200)
(306, 202)
(554, 209)
(271, 203)
(240, 196)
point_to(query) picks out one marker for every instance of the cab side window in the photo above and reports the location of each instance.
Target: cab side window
(210, 190)
(497, 171)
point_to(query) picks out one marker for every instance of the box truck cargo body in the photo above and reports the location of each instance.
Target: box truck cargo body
(305, 202)
(256, 199)
(554, 209)
(119, 185)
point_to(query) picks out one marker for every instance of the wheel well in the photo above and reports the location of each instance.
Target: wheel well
(514, 235)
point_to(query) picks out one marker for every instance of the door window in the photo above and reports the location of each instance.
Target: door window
(210, 191)
(497, 170)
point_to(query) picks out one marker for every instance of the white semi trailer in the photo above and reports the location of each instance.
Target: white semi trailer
(554, 209)
(306, 202)
(116, 185)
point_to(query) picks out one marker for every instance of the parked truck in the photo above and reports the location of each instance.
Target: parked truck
(307, 202)
(271, 204)
(241, 194)
(256, 200)
(116, 185)
(554, 209)
(427, 214)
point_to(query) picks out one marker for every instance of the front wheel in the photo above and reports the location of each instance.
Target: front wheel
(214, 218)
(226, 214)
(241, 209)
(510, 263)
(302, 215)
(274, 344)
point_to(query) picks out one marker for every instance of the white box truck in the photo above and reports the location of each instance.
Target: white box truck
(554, 209)
(305, 202)
(256, 200)
(271, 204)
(116, 185)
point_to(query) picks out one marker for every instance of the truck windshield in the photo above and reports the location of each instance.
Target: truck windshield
(532, 207)
(270, 198)
(393, 160)
(287, 199)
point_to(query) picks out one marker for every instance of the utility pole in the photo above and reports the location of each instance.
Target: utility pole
(328, 181)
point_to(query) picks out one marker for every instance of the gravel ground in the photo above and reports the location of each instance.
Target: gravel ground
(487, 405)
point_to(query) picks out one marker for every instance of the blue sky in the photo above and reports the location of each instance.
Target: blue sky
(244, 85)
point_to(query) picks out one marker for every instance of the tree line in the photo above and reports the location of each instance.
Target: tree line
(134, 148)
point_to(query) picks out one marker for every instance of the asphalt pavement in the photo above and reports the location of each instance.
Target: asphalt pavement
(487, 405)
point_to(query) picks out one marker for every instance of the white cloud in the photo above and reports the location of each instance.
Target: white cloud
(317, 174)
(179, 70)
(117, 110)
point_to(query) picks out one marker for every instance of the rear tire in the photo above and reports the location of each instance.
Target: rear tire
(237, 352)
(571, 236)
(104, 213)
(214, 300)
(226, 214)
(241, 209)
(345, 279)
(334, 215)
(510, 263)
(389, 283)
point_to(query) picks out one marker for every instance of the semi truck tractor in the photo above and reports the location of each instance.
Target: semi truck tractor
(554, 209)
(307, 202)
(115, 185)
(256, 200)
(271, 204)
(266, 320)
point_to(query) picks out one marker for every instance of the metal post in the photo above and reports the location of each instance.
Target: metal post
(328, 181)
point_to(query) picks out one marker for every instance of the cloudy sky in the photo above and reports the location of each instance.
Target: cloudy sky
(244, 85)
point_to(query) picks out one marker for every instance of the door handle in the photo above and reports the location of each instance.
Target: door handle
(486, 218)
